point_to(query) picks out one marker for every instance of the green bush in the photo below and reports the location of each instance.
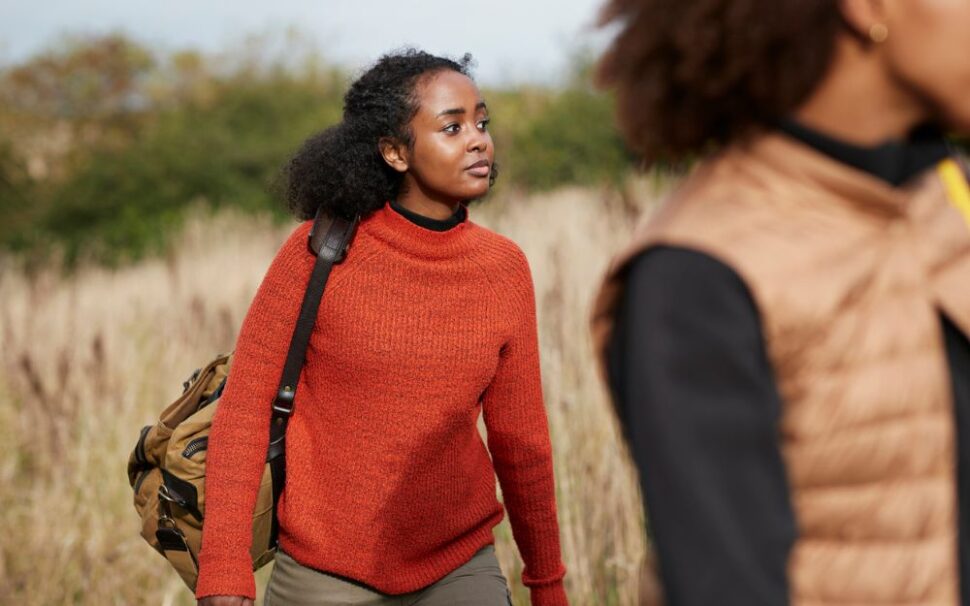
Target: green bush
(570, 140)
(121, 203)
(16, 211)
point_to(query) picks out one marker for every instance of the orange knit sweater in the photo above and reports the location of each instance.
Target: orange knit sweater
(388, 481)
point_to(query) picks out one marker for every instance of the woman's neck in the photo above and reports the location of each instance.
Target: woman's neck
(428, 222)
(427, 204)
(858, 101)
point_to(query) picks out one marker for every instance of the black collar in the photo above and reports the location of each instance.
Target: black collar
(895, 161)
(427, 222)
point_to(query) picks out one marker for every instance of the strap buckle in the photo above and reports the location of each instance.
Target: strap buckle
(330, 237)
(335, 243)
(283, 403)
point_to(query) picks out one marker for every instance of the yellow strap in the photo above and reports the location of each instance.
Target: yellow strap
(957, 189)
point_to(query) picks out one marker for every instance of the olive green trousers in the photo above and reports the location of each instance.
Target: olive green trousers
(479, 582)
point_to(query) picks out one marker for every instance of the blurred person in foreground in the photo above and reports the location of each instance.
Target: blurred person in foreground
(786, 339)
(428, 324)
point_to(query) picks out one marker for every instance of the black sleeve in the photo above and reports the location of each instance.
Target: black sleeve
(700, 409)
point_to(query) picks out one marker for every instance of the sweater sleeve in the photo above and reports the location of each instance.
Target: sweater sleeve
(518, 440)
(240, 429)
(700, 408)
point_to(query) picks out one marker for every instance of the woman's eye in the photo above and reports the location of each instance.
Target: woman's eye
(483, 124)
(451, 129)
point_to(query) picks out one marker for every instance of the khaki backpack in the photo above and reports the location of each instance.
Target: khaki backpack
(166, 469)
(167, 472)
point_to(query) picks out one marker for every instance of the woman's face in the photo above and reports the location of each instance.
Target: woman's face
(928, 53)
(451, 153)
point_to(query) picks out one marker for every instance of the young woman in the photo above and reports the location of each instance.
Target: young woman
(427, 324)
(787, 338)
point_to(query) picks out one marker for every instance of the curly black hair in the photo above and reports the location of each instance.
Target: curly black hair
(690, 75)
(340, 170)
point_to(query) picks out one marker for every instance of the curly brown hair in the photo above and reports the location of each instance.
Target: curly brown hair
(690, 75)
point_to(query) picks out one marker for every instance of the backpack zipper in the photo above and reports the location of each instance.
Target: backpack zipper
(195, 446)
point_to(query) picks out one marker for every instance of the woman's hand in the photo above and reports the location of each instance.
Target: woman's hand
(226, 600)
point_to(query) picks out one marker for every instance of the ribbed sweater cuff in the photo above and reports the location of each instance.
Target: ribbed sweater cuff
(549, 595)
(221, 577)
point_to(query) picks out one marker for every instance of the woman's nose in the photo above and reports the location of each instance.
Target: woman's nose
(478, 141)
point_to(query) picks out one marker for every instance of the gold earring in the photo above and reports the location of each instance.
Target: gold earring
(878, 33)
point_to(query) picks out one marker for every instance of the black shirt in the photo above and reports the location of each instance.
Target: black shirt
(700, 407)
(427, 222)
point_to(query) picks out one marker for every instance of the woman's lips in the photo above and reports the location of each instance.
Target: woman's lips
(480, 168)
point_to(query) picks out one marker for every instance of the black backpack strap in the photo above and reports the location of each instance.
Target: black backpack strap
(329, 240)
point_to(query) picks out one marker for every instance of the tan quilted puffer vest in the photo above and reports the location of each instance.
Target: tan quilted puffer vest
(849, 276)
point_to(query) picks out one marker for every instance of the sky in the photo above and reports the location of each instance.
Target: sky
(513, 41)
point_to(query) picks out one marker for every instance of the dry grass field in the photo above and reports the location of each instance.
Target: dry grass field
(86, 360)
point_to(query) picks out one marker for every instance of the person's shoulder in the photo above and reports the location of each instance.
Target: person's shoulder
(506, 267)
(294, 253)
(498, 250)
(501, 257)
(663, 264)
(676, 282)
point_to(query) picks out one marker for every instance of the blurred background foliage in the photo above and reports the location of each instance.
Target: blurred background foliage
(106, 144)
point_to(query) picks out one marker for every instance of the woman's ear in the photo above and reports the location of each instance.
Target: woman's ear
(866, 18)
(394, 153)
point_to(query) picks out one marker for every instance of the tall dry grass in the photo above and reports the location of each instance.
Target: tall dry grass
(87, 360)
